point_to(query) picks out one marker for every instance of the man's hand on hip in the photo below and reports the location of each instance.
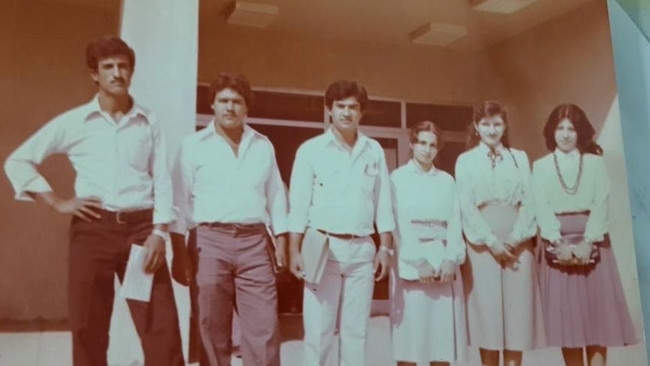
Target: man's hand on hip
(80, 207)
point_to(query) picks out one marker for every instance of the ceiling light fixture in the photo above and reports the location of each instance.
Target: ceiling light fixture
(438, 34)
(252, 14)
(500, 6)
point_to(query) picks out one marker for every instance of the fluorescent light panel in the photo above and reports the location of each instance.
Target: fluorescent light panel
(438, 34)
(252, 14)
(500, 6)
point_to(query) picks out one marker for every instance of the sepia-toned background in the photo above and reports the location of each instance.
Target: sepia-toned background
(550, 52)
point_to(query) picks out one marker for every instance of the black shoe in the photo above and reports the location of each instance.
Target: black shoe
(236, 352)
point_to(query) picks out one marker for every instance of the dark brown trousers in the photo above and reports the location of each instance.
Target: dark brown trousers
(98, 251)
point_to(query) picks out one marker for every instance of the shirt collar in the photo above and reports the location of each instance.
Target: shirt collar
(330, 138)
(416, 168)
(484, 148)
(567, 155)
(211, 131)
(93, 107)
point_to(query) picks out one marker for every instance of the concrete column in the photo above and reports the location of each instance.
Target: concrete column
(631, 59)
(164, 35)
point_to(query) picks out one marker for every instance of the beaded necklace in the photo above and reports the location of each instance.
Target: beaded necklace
(569, 190)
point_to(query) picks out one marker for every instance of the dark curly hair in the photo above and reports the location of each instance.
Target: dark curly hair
(343, 89)
(236, 82)
(108, 46)
(583, 127)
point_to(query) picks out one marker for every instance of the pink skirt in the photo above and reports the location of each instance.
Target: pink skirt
(504, 309)
(585, 306)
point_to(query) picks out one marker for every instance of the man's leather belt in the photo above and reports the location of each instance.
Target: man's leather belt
(340, 236)
(231, 226)
(126, 217)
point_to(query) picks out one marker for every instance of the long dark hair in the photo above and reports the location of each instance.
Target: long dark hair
(585, 131)
(488, 108)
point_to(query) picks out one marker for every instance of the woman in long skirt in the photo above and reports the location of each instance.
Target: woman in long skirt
(584, 304)
(428, 317)
(500, 280)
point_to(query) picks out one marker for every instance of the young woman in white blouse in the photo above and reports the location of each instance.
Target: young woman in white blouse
(582, 296)
(496, 197)
(428, 318)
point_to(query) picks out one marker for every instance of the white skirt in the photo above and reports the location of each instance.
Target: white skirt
(428, 321)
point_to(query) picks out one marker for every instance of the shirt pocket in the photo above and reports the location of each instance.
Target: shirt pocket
(369, 176)
(137, 145)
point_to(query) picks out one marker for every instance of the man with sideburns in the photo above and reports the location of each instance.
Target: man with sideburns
(339, 190)
(230, 190)
(123, 196)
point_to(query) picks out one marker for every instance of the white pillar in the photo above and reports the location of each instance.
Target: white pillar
(620, 218)
(164, 35)
(631, 60)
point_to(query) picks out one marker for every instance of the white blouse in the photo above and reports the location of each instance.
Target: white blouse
(509, 181)
(592, 193)
(419, 198)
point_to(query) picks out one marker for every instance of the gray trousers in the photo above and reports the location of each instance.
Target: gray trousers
(234, 270)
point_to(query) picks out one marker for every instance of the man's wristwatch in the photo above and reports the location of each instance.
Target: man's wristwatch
(387, 250)
(163, 234)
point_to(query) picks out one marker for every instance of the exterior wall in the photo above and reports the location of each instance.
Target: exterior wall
(43, 73)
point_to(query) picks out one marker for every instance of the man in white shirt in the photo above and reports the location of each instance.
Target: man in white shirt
(123, 196)
(230, 189)
(340, 187)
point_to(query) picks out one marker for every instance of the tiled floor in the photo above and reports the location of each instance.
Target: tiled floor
(53, 349)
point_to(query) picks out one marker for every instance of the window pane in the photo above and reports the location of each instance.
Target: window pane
(287, 106)
(203, 102)
(446, 117)
(286, 140)
(382, 113)
(446, 159)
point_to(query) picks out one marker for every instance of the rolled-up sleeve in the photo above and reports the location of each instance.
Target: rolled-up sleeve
(300, 190)
(21, 165)
(163, 212)
(276, 196)
(384, 218)
(182, 189)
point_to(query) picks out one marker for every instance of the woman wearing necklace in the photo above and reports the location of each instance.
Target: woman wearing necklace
(428, 316)
(499, 276)
(582, 296)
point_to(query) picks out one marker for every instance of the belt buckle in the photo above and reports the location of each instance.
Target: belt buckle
(117, 218)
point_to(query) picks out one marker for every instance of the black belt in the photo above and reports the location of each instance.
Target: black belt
(232, 226)
(126, 217)
(341, 236)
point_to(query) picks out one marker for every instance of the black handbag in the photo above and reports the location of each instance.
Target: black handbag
(550, 250)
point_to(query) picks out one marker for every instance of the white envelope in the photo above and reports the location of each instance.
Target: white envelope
(137, 284)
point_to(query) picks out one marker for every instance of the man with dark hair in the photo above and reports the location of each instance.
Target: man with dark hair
(123, 196)
(230, 189)
(339, 188)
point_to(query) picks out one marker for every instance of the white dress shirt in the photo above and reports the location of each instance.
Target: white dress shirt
(592, 193)
(123, 164)
(339, 191)
(217, 186)
(508, 182)
(421, 197)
